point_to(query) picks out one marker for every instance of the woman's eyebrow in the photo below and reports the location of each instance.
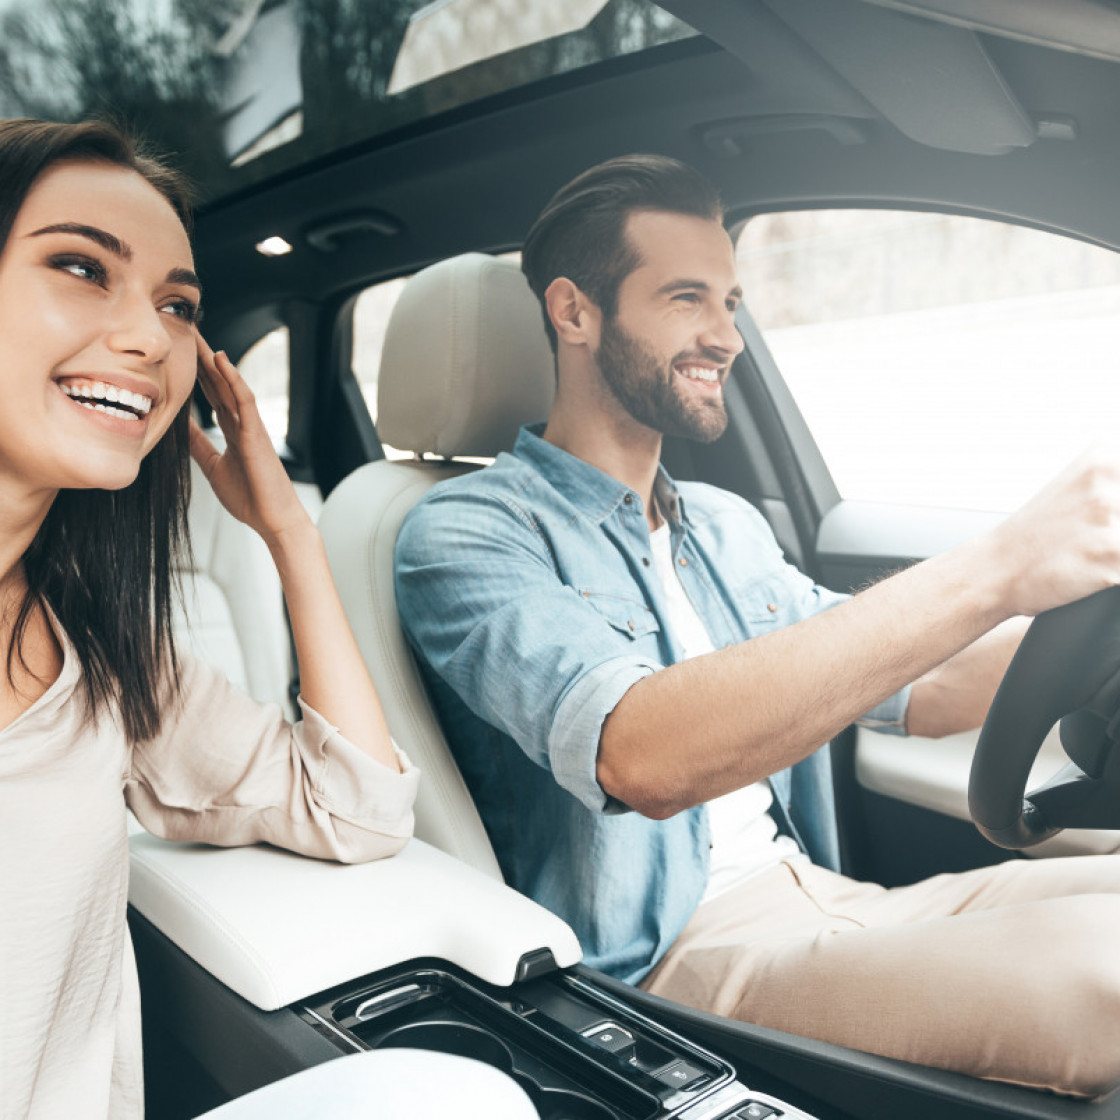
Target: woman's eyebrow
(100, 237)
(184, 276)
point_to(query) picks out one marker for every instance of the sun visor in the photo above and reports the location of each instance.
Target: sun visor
(1089, 27)
(934, 82)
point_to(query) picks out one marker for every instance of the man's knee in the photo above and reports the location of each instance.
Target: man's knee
(1077, 988)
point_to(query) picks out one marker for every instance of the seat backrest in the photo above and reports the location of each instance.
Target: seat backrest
(232, 613)
(465, 363)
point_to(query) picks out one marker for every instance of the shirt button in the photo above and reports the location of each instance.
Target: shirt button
(645, 560)
(772, 608)
(683, 562)
(628, 500)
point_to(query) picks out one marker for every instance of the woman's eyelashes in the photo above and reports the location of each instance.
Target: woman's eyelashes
(83, 267)
(185, 309)
(93, 271)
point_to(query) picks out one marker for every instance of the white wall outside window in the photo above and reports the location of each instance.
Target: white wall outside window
(265, 367)
(938, 360)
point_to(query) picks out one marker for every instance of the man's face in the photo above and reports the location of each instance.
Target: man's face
(666, 352)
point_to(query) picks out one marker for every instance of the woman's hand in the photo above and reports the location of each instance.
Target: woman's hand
(248, 477)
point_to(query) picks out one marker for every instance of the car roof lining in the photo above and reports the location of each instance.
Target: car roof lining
(1089, 27)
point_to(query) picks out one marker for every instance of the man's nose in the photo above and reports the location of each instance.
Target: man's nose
(722, 334)
(140, 329)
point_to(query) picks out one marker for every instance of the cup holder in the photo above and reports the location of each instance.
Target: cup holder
(469, 1041)
(557, 1104)
(452, 1038)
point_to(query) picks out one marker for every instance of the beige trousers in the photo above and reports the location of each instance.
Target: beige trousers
(1009, 972)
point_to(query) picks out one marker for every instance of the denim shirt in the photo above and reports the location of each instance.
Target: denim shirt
(529, 594)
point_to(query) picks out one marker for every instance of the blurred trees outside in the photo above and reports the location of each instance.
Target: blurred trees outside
(155, 65)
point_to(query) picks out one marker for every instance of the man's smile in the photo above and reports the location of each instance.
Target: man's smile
(707, 375)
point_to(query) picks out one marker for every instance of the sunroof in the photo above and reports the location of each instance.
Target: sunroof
(240, 90)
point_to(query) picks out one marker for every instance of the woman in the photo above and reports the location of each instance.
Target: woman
(99, 349)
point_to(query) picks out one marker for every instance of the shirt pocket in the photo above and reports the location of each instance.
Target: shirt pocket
(765, 604)
(630, 617)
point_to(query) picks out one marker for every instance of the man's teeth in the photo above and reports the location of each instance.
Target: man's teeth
(110, 399)
(697, 373)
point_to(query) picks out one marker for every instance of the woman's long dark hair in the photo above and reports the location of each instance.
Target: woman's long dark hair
(104, 560)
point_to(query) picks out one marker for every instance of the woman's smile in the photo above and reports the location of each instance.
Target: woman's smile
(120, 409)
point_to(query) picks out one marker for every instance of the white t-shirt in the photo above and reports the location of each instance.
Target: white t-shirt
(745, 838)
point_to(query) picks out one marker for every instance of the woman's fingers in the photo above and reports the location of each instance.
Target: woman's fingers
(238, 391)
(221, 390)
(213, 376)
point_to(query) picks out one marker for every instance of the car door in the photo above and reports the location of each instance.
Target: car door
(910, 377)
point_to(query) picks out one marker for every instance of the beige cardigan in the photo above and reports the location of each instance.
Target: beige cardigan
(225, 770)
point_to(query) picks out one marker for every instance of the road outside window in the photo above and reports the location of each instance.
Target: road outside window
(938, 360)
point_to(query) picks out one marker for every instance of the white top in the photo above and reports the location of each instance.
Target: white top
(745, 839)
(224, 770)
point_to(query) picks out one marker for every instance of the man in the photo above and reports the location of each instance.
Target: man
(636, 685)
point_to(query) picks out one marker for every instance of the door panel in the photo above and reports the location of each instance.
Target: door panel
(859, 542)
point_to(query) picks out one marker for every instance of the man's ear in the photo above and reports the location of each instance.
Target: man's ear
(574, 316)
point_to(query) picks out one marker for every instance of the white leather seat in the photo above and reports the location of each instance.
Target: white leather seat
(465, 363)
(233, 609)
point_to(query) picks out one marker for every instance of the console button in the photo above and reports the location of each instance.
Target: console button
(682, 1075)
(755, 1110)
(614, 1039)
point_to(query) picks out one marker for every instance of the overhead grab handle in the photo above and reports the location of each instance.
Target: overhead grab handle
(331, 235)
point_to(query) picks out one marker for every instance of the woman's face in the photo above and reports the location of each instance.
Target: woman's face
(98, 301)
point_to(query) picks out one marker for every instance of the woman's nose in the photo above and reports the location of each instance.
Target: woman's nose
(140, 329)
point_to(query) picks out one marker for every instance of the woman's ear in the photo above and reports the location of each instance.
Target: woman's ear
(574, 316)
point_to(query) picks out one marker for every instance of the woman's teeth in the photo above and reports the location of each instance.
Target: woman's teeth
(110, 399)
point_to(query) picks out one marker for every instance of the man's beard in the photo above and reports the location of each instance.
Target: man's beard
(650, 391)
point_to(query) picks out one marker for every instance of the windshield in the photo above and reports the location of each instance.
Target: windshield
(240, 90)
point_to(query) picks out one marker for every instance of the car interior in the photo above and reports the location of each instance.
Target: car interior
(382, 165)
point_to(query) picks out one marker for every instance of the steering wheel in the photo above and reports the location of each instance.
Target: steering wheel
(1068, 668)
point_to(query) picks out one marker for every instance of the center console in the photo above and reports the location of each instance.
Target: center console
(579, 1053)
(422, 952)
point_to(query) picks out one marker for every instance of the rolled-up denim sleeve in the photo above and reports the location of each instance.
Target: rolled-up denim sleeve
(579, 721)
(482, 604)
(889, 717)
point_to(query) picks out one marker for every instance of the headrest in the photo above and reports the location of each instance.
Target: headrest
(465, 361)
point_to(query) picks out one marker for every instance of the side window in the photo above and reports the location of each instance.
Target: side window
(938, 360)
(265, 368)
(371, 316)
